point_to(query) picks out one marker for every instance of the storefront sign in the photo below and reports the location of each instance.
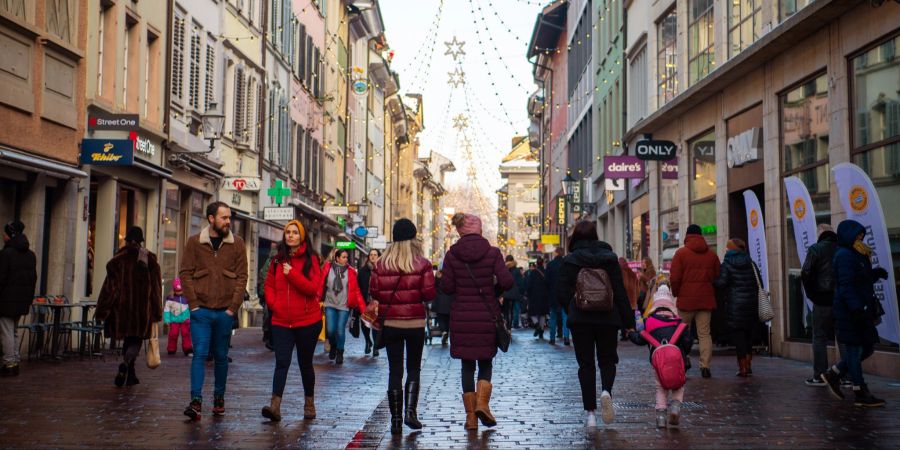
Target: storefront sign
(561, 210)
(285, 213)
(250, 184)
(144, 145)
(379, 243)
(705, 151)
(655, 150)
(623, 167)
(576, 197)
(120, 122)
(614, 185)
(336, 210)
(756, 236)
(360, 87)
(669, 169)
(107, 152)
(804, 218)
(744, 147)
(552, 239)
(861, 203)
(345, 245)
(361, 231)
(373, 231)
(278, 192)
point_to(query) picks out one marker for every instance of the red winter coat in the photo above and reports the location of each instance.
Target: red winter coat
(292, 297)
(694, 269)
(354, 295)
(472, 332)
(401, 296)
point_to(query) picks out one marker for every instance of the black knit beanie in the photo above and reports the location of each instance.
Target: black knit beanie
(404, 230)
(694, 229)
(13, 228)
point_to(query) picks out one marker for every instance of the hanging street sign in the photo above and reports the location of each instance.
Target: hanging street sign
(669, 169)
(107, 152)
(118, 122)
(336, 210)
(361, 231)
(250, 184)
(279, 213)
(561, 210)
(373, 231)
(614, 184)
(360, 87)
(379, 243)
(550, 239)
(655, 150)
(623, 167)
(278, 192)
(576, 197)
(345, 245)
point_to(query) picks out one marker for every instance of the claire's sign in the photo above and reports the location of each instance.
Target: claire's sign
(107, 152)
(623, 167)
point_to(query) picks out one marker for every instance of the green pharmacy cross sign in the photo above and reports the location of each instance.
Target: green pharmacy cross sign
(278, 192)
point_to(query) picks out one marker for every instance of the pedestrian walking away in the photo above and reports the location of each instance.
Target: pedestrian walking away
(632, 286)
(471, 267)
(363, 277)
(18, 278)
(214, 276)
(339, 292)
(664, 326)
(694, 269)
(512, 296)
(647, 278)
(558, 327)
(856, 311)
(537, 294)
(177, 315)
(441, 307)
(738, 285)
(593, 293)
(130, 301)
(401, 283)
(291, 291)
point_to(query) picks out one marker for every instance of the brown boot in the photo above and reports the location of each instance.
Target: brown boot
(749, 366)
(273, 411)
(309, 408)
(469, 401)
(482, 404)
(742, 366)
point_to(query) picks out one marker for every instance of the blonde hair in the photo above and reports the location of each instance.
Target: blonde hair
(458, 220)
(401, 256)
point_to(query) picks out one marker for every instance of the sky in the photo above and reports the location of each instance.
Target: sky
(498, 77)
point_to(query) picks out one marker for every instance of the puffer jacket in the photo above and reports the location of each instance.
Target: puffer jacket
(537, 291)
(292, 298)
(694, 268)
(595, 254)
(18, 277)
(737, 282)
(817, 273)
(855, 304)
(402, 296)
(472, 332)
(354, 295)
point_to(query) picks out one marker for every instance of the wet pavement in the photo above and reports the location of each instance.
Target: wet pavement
(73, 404)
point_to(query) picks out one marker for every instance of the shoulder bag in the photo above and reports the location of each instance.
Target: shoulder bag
(766, 313)
(153, 359)
(500, 329)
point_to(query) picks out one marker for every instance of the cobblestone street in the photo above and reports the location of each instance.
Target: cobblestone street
(74, 404)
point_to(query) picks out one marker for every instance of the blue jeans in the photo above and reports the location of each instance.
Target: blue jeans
(851, 362)
(211, 331)
(336, 326)
(554, 312)
(516, 311)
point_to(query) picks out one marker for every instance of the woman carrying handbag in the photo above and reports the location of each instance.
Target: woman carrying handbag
(470, 268)
(402, 281)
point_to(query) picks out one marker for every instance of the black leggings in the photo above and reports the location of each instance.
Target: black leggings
(485, 370)
(394, 341)
(304, 339)
(131, 347)
(743, 342)
(588, 340)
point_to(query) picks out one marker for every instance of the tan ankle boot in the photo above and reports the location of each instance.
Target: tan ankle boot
(469, 403)
(273, 411)
(309, 408)
(482, 403)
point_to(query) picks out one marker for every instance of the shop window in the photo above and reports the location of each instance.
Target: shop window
(666, 58)
(92, 239)
(59, 20)
(701, 40)
(170, 245)
(744, 24)
(790, 7)
(15, 8)
(198, 219)
(703, 185)
(668, 219)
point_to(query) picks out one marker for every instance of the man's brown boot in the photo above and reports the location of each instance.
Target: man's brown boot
(482, 403)
(309, 408)
(273, 411)
(469, 402)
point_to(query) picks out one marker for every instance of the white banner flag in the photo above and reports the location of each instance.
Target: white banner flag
(861, 203)
(803, 217)
(756, 236)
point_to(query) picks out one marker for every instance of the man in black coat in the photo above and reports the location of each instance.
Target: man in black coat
(817, 276)
(558, 327)
(18, 276)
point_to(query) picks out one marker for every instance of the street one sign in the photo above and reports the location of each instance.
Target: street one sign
(655, 150)
(623, 167)
(250, 184)
(285, 213)
(345, 245)
(119, 122)
(107, 152)
(336, 210)
(278, 192)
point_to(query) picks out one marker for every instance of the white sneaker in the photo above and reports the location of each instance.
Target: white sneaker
(660, 418)
(591, 420)
(607, 413)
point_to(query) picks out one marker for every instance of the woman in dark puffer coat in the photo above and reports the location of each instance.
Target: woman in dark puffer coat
(737, 282)
(470, 268)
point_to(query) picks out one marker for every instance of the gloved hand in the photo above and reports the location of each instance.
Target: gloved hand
(880, 273)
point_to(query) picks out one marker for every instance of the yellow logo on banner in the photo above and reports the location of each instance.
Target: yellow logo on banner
(859, 199)
(754, 218)
(799, 209)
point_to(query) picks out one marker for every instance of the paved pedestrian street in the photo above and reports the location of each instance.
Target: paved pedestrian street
(73, 404)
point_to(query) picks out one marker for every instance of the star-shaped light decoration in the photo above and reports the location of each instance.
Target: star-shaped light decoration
(455, 48)
(457, 77)
(460, 122)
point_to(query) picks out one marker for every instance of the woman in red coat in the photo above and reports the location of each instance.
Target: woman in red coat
(401, 283)
(339, 291)
(291, 286)
(470, 269)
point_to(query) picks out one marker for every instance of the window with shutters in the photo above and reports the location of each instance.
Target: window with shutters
(178, 57)
(194, 80)
(284, 145)
(210, 81)
(301, 54)
(307, 75)
(314, 182)
(16, 8)
(317, 79)
(249, 128)
(270, 120)
(59, 21)
(307, 172)
(239, 107)
(273, 22)
(298, 166)
(260, 117)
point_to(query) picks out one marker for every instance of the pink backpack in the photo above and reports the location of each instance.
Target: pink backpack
(667, 360)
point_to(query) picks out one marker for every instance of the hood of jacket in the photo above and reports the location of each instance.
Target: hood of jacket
(591, 254)
(828, 236)
(18, 242)
(738, 258)
(847, 232)
(471, 248)
(696, 243)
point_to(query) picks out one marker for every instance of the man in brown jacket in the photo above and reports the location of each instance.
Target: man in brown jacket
(214, 276)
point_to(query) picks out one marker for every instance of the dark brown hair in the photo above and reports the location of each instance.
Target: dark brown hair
(585, 230)
(458, 220)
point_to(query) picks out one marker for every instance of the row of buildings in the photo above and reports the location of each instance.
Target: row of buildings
(303, 94)
(803, 84)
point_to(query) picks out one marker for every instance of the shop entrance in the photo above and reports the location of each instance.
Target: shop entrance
(737, 211)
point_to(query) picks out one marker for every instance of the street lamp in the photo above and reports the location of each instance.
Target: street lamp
(213, 124)
(568, 185)
(364, 207)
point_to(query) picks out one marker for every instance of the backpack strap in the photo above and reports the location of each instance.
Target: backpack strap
(653, 342)
(677, 334)
(649, 338)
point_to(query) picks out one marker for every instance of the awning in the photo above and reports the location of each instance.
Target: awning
(205, 168)
(268, 229)
(34, 163)
(153, 168)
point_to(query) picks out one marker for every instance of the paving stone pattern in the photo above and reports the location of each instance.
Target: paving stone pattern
(73, 404)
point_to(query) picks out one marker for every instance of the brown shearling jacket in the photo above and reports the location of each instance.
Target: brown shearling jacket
(214, 279)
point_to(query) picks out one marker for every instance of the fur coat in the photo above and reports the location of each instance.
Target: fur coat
(130, 301)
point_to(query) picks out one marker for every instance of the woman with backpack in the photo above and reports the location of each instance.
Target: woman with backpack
(593, 293)
(738, 282)
(402, 281)
(663, 326)
(537, 291)
(470, 269)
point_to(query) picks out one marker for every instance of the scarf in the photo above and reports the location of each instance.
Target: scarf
(339, 272)
(862, 248)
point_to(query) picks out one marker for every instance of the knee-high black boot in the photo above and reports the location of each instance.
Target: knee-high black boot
(411, 418)
(395, 402)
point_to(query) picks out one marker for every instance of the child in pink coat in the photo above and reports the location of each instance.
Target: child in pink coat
(177, 314)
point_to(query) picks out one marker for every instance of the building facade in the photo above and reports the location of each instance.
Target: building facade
(519, 220)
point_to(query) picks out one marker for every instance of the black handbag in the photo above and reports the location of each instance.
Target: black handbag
(353, 323)
(501, 331)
